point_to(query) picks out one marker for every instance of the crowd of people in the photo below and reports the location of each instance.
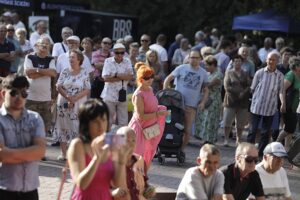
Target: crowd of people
(77, 91)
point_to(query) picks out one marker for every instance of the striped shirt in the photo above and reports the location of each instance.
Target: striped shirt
(266, 87)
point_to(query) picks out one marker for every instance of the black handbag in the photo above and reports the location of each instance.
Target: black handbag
(122, 94)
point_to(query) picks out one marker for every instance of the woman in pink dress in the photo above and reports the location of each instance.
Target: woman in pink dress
(90, 160)
(146, 113)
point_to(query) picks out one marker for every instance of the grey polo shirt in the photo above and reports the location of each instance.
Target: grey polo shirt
(15, 134)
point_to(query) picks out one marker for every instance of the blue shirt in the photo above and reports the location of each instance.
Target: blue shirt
(189, 82)
(16, 134)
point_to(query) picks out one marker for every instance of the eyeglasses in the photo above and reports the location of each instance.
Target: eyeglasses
(14, 92)
(250, 159)
(108, 43)
(119, 52)
(10, 30)
(144, 40)
(149, 77)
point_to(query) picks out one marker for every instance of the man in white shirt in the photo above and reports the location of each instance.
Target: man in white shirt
(41, 30)
(204, 181)
(62, 47)
(264, 51)
(63, 60)
(161, 51)
(273, 177)
(117, 71)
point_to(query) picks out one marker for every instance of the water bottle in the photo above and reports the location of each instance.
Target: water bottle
(168, 117)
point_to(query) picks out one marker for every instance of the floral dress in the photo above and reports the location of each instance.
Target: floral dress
(67, 124)
(207, 121)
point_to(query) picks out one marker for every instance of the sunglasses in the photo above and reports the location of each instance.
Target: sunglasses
(10, 30)
(120, 52)
(149, 77)
(144, 40)
(14, 92)
(250, 159)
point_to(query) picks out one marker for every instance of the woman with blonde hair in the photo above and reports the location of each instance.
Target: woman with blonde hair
(153, 62)
(147, 113)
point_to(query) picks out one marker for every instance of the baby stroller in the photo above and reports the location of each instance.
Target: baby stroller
(171, 141)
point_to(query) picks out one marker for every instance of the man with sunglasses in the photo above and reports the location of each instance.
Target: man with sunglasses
(241, 178)
(10, 36)
(117, 71)
(145, 43)
(273, 177)
(22, 142)
(7, 50)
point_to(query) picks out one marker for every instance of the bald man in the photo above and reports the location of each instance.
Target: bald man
(136, 173)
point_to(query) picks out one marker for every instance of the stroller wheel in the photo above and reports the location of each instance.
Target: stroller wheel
(158, 153)
(161, 160)
(180, 160)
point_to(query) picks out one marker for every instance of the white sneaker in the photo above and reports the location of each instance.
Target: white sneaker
(61, 158)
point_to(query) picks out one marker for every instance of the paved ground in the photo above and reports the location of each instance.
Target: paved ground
(165, 177)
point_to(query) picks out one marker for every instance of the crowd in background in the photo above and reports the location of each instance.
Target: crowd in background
(217, 76)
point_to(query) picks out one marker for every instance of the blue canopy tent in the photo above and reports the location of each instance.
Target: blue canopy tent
(268, 20)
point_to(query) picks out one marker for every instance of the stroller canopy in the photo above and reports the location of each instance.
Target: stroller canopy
(170, 97)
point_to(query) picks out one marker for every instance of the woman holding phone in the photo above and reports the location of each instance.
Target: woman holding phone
(147, 112)
(93, 168)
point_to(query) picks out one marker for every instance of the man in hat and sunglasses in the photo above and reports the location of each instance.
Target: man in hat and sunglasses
(273, 176)
(22, 142)
(117, 71)
(241, 178)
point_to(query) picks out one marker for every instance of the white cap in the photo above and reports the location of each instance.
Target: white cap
(7, 14)
(118, 46)
(276, 149)
(74, 37)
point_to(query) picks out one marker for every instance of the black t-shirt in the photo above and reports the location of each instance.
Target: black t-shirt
(241, 188)
(6, 47)
(42, 63)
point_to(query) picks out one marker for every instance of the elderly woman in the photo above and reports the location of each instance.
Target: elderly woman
(147, 112)
(291, 86)
(25, 47)
(87, 45)
(153, 62)
(207, 121)
(73, 86)
(237, 89)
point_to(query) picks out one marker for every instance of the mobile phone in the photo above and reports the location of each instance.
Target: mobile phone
(114, 139)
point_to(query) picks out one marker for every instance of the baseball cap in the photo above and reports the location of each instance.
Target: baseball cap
(118, 46)
(276, 149)
(74, 37)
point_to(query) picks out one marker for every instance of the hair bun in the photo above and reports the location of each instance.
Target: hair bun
(138, 65)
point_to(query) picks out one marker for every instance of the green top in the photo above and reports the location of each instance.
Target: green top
(290, 76)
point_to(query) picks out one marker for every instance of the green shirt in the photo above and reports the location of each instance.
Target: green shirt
(290, 76)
